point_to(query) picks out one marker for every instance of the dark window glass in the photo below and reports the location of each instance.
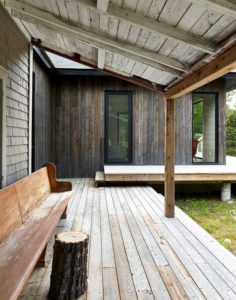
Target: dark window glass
(118, 121)
(204, 143)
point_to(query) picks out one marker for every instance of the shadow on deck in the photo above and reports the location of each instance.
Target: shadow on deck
(137, 253)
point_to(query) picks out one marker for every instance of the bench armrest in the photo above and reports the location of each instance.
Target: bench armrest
(57, 186)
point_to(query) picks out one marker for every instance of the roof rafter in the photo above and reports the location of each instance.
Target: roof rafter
(102, 5)
(108, 70)
(218, 67)
(155, 26)
(96, 39)
(101, 58)
(224, 7)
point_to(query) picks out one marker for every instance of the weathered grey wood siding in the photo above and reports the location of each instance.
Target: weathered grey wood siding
(15, 58)
(78, 122)
(42, 116)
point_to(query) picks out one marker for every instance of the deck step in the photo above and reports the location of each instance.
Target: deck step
(99, 177)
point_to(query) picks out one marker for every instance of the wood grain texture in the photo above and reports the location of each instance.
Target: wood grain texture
(57, 186)
(29, 214)
(10, 216)
(32, 191)
(221, 65)
(41, 116)
(136, 253)
(24, 247)
(170, 159)
(78, 122)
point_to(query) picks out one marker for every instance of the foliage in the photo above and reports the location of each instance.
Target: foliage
(231, 132)
(215, 216)
(230, 99)
(231, 124)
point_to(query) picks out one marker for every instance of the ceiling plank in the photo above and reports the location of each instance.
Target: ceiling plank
(101, 58)
(218, 67)
(98, 40)
(102, 5)
(110, 71)
(224, 7)
(158, 27)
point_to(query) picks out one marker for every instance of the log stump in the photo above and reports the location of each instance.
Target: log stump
(69, 266)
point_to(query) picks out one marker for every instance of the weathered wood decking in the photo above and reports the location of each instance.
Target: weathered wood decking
(137, 253)
(183, 173)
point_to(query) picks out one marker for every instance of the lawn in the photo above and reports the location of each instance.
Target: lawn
(215, 216)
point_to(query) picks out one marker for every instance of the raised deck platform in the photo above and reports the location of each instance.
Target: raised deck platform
(183, 173)
(137, 253)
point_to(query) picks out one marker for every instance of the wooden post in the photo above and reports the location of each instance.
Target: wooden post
(170, 158)
(69, 267)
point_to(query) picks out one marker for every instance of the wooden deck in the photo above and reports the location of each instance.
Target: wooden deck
(183, 173)
(137, 253)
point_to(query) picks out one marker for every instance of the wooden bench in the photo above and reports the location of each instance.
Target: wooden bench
(30, 210)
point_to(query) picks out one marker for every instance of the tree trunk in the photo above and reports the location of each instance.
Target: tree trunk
(69, 267)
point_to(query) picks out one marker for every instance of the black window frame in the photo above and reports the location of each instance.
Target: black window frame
(130, 127)
(216, 127)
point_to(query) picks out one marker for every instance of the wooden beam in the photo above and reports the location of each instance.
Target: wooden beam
(101, 58)
(218, 67)
(169, 31)
(96, 39)
(170, 159)
(112, 72)
(102, 5)
(224, 7)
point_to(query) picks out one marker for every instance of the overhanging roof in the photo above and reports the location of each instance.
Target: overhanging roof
(158, 41)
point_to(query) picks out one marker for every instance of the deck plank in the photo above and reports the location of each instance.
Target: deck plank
(217, 286)
(126, 284)
(137, 253)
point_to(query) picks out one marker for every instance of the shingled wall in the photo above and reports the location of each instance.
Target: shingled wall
(14, 57)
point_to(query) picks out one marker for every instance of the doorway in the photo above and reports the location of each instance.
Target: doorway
(118, 127)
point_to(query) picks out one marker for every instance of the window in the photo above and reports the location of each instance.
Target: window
(118, 127)
(205, 128)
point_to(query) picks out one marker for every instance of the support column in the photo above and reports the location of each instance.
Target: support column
(226, 191)
(170, 158)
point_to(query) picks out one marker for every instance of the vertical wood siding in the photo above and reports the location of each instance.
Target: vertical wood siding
(14, 57)
(42, 116)
(78, 122)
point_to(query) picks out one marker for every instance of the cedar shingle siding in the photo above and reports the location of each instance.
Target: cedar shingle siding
(14, 56)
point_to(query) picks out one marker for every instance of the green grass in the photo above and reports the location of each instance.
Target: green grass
(215, 216)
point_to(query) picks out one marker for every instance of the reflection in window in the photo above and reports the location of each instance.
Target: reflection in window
(204, 127)
(118, 127)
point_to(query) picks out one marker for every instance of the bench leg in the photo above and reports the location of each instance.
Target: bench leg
(41, 261)
(64, 215)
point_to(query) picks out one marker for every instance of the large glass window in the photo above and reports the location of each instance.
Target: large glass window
(204, 142)
(118, 131)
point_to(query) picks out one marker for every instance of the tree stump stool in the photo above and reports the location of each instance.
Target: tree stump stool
(69, 266)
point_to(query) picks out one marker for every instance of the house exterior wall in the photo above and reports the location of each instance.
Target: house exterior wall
(78, 122)
(41, 137)
(14, 57)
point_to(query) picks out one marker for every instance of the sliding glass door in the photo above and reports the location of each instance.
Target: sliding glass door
(118, 127)
(205, 128)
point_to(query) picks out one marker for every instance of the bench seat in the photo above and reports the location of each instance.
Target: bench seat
(22, 248)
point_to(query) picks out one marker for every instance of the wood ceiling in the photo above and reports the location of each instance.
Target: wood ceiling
(161, 41)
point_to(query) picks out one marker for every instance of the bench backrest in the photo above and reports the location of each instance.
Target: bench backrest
(32, 190)
(10, 216)
(19, 199)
